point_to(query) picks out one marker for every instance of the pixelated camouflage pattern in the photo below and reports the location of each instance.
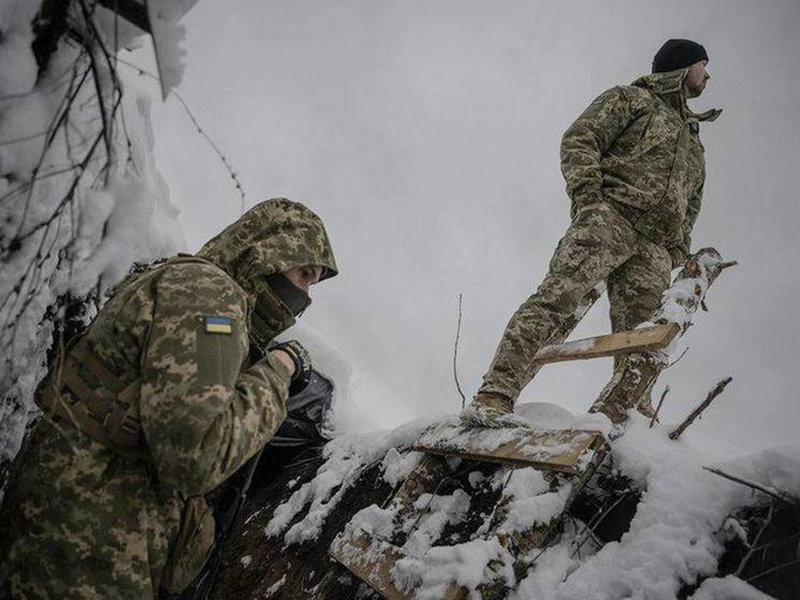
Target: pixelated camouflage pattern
(271, 237)
(599, 244)
(638, 147)
(634, 167)
(79, 521)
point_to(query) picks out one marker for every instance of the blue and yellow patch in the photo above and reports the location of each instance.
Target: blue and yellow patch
(218, 324)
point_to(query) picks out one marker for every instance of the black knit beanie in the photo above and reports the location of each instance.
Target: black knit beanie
(678, 54)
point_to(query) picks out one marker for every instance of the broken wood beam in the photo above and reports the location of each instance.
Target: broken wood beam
(695, 414)
(646, 339)
(545, 450)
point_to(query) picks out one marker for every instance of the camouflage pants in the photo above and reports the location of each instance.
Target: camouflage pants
(78, 523)
(600, 244)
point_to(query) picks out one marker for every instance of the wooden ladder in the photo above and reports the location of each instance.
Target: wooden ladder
(574, 455)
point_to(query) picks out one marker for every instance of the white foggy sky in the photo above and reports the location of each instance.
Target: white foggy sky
(426, 135)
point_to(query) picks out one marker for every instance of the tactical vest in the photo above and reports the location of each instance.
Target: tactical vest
(83, 391)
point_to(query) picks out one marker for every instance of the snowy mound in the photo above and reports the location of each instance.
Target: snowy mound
(674, 541)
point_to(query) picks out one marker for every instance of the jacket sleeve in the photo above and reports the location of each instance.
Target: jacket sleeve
(692, 212)
(586, 140)
(203, 416)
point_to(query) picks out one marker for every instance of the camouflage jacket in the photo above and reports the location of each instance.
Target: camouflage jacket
(82, 521)
(638, 147)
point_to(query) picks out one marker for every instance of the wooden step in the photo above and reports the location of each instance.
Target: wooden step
(646, 339)
(546, 450)
(372, 560)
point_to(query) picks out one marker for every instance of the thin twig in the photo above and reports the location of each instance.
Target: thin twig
(754, 545)
(675, 362)
(716, 391)
(658, 408)
(600, 520)
(776, 568)
(756, 486)
(455, 356)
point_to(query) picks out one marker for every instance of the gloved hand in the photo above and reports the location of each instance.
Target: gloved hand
(677, 255)
(302, 364)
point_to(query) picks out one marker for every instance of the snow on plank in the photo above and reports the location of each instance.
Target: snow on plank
(372, 561)
(646, 339)
(565, 450)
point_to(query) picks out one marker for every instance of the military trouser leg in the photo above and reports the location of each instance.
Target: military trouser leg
(636, 287)
(598, 241)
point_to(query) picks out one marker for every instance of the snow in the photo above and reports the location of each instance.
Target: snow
(463, 564)
(270, 591)
(168, 37)
(79, 207)
(776, 468)
(675, 538)
(346, 458)
(396, 466)
(532, 502)
(727, 588)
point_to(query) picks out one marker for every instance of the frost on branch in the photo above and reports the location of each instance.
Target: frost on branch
(80, 196)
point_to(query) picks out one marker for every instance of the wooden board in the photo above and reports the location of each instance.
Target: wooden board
(372, 561)
(545, 450)
(646, 339)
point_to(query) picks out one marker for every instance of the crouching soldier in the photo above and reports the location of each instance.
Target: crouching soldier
(157, 403)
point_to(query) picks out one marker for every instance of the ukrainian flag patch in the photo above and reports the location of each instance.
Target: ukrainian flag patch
(218, 325)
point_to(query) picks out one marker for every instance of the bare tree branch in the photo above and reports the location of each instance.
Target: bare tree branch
(716, 391)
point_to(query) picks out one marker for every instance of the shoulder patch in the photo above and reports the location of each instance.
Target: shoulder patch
(218, 325)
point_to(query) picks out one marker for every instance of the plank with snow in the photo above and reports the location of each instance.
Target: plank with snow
(646, 339)
(372, 560)
(554, 450)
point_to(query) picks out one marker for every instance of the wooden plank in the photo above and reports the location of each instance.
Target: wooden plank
(646, 339)
(372, 561)
(423, 478)
(544, 450)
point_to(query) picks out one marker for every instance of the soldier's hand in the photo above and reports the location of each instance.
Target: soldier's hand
(301, 374)
(286, 361)
(678, 257)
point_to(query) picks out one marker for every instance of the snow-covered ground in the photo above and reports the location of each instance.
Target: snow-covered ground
(675, 538)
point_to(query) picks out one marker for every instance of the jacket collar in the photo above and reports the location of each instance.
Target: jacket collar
(669, 85)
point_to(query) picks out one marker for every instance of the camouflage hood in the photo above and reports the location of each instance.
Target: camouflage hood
(273, 236)
(670, 85)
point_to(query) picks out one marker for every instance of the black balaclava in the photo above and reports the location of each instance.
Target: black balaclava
(678, 54)
(295, 299)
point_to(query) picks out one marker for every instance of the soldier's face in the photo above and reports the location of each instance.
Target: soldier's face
(696, 79)
(304, 277)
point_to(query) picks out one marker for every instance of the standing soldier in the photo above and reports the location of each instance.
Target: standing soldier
(155, 405)
(634, 168)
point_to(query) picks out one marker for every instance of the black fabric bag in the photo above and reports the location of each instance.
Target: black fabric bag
(306, 414)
